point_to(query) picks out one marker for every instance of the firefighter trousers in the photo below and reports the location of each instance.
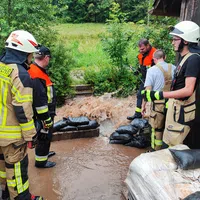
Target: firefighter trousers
(157, 122)
(179, 119)
(14, 170)
(42, 149)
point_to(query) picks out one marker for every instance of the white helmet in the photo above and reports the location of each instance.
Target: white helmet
(22, 41)
(187, 30)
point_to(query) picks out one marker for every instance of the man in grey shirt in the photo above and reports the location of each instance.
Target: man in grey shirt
(158, 78)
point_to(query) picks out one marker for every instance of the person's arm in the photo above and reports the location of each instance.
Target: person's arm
(184, 92)
(40, 102)
(143, 111)
(22, 103)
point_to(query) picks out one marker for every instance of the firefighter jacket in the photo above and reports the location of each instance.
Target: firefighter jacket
(44, 104)
(145, 61)
(16, 114)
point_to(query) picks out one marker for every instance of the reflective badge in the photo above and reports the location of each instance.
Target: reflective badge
(5, 70)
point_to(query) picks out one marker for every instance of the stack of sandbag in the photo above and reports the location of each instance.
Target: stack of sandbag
(136, 134)
(74, 124)
(168, 174)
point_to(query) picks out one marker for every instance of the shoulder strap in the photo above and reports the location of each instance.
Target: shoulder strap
(167, 76)
(185, 58)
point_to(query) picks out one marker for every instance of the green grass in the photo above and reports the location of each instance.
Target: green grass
(85, 43)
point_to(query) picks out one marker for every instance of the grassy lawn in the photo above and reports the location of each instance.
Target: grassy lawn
(84, 40)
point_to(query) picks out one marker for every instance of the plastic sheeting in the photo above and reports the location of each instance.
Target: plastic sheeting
(156, 176)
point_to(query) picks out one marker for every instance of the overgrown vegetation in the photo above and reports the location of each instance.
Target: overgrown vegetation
(35, 16)
(98, 54)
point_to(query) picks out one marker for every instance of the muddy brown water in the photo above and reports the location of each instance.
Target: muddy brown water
(87, 169)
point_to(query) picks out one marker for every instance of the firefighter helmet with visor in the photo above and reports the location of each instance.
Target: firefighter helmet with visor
(187, 30)
(21, 40)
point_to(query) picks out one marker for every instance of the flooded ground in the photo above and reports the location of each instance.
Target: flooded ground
(87, 169)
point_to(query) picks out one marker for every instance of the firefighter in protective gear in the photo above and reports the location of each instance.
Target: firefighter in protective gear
(145, 59)
(44, 106)
(183, 104)
(159, 77)
(16, 118)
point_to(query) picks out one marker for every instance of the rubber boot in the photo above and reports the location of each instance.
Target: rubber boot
(51, 153)
(48, 164)
(136, 115)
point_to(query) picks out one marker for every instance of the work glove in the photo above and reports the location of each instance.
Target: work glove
(152, 95)
(48, 123)
(32, 144)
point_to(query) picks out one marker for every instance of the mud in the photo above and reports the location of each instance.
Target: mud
(87, 169)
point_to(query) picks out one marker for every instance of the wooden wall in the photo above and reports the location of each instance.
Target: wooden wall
(190, 10)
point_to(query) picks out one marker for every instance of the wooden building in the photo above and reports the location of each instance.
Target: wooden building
(185, 9)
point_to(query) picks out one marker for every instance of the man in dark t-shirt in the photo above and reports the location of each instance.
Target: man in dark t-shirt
(183, 106)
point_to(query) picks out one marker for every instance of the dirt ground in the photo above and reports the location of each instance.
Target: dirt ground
(87, 168)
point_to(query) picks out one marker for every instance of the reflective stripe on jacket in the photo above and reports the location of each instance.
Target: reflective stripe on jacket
(16, 115)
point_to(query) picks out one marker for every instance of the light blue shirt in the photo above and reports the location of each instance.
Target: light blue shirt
(155, 77)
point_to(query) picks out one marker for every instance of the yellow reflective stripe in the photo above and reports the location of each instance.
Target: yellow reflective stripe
(21, 98)
(138, 109)
(49, 119)
(42, 109)
(148, 95)
(166, 105)
(157, 96)
(152, 138)
(2, 174)
(11, 183)
(26, 185)
(49, 94)
(5, 79)
(41, 158)
(18, 177)
(1, 100)
(5, 109)
(10, 129)
(4, 135)
(27, 126)
(158, 142)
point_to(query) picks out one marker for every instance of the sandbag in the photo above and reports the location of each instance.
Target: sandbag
(186, 159)
(68, 128)
(92, 125)
(139, 141)
(76, 121)
(139, 123)
(117, 136)
(194, 196)
(118, 141)
(59, 124)
(127, 129)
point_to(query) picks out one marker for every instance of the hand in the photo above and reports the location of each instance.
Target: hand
(47, 123)
(152, 95)
(143, 109)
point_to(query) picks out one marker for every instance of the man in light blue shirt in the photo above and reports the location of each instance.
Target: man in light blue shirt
(158, 78)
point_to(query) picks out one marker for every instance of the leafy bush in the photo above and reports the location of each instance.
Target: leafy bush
(59, 70)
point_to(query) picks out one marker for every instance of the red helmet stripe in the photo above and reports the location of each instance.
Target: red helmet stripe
(33, 43)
